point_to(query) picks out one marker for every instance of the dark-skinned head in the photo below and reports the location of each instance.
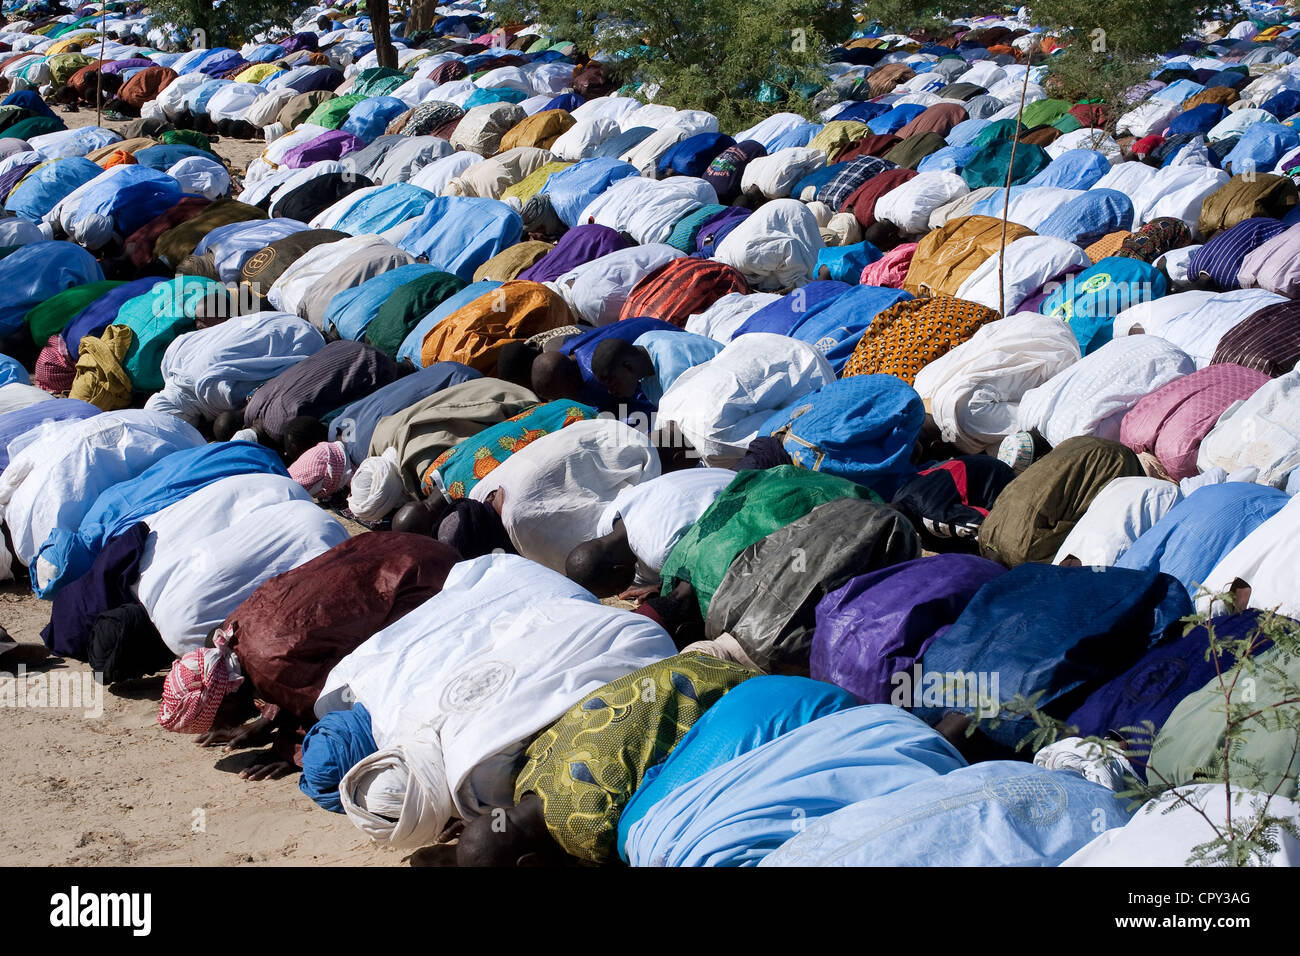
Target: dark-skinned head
(226, 424)
(556, 376)
(515, 363)
(514, 836)
(619, 366)
(302, 434)
(420, 517)
(604, 566)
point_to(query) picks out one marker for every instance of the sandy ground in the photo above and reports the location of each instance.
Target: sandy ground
(105, 785)
(237, 153)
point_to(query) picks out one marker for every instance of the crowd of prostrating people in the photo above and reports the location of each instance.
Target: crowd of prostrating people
(863, 477)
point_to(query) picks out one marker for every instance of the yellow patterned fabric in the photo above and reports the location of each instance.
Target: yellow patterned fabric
(907, 337)
(587, 765)
(532, 184)
(1107, 245)
(257, 72)
(837, 136)
(508, 263)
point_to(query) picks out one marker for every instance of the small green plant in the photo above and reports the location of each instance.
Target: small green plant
(1246, 836)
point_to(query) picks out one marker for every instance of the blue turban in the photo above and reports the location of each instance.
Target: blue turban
(338, 742)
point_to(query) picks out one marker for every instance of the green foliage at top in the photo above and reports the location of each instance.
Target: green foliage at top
(1128, 28)
(229, 23)
(737, 59)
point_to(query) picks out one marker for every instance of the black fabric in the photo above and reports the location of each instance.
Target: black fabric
(318, 194)
(267, 264)
(764, 452)
(106, 585)
(125, 645)
(946, 519)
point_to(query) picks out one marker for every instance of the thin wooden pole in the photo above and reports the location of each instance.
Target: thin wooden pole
(1006, 196)
(99, 74)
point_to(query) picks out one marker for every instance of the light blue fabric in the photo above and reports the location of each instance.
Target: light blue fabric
(1260, 148)
(965, 131)
(845, 263)
(335, 744)
(369, 118)
(265, 53)
(1085, 219)
(238, 241)
(66, 555)
(42, 188)
(991, 205)
(11, 371)
(571, 190)
(834, 327)
(1178, 91)
(998, 813)
(672, 354)
(354, 424)
(1196, 533)
(414, 341)
(457, 234)
(35, 272)
(351, 311)
(948, 159)
(738, 812)
(1073, 169)
(769, 707)
(196, 100)
(384, 208)
(799, 136)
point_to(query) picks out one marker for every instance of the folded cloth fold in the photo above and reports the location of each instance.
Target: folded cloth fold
(399, 796)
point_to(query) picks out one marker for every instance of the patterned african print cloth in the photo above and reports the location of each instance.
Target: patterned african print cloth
(425, 118)
(458, 469)
(1155, 239)
(587, 765)
(908, 336)
(1108, 245)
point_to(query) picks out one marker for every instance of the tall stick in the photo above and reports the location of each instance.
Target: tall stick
(1006, 195)
(99, 74)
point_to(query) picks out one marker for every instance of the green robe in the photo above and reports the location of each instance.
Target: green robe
(754, 505)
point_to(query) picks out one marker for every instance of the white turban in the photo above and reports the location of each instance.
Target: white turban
(377, 487)
(399, 795)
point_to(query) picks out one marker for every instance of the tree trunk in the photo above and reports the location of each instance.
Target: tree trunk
(423, 14)
(379, 27)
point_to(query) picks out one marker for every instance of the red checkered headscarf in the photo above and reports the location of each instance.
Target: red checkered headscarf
(323, 469)
(55, 367)
(193, 691)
